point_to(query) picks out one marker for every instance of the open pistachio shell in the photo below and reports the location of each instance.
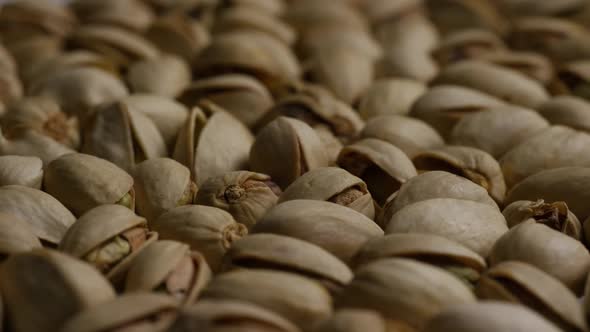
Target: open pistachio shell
(283, 253)
(33, 144)
(467, 44)
(169, 267)
(390, 96)
(206, 229)
(570, 111)
(489, 317)
(299, 299)
(247, 196)
(131, 14)
(141, 312)
(46, 216)
(332, 184)
(533, 65)
(497, 81)
(473, 164)
(16, 235)
(69, 286)
(498, 129)
(384, 286)
(285, 149)
(410, 135)
(24, 171)
(454, 15)
(82, 181)
(335, 228)
(473, 224)
(555, 215)
(179, 34)
(551, 251)
(166, 76)
(353, 320)
(554, 147)
(525, 284)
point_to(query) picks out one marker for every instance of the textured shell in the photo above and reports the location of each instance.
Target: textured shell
(569, 111)
(390, 96)
(472, 224)
(76, 285)
(553, 252)
(498, 129)
(567, 222)
(31, 143)
(19, 170)
(519, 282)
(353, 320)
(279, 252)
(16, 235)
(159, 185)
(48, 218)
(410, 135)
(384, 284)
(489, 317)
(82, 182)
(299, 299)
(335, 228)
(166, 76)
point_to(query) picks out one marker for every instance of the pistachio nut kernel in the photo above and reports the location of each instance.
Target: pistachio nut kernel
(555, 215)
(116, 249)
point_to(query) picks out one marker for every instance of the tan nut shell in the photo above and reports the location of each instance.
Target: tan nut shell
(570, 111)
(560, 217)
(535, 66)
(472, 224)
(31, 143)
(353, 320)
(69, 286)
(27, 19)
(48, 218)
(467, 44)
(335, 228)
(179, 34)
(390, 96)
(82, 181)
(167, 76)
(19, 170)
(130, 14)
(16, 235)
(387, 285)
(453, 15)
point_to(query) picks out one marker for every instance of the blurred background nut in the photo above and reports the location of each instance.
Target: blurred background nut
(353, 320)
(570, 111)
(166, 76)
(390, 97)
(16, 236)
(18, 170)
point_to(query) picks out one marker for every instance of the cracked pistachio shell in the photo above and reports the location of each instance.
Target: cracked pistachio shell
(283, 253)
(16, 235)
(301, 300)
(158, 263)
(534, 8)
(421, 188)
(503, 83)
(489, 316)
(285, 149)
(161, 184)
(473, 164)
(472, 224)
(82, 181)
(33, 144)
(19, 170)
(555, 215)
(444, 105)
(206, 229)
(141, 312)
(130, 14)
(390, 96)
(212, 142)
(123, 136)
(570, 111)
(230, 315)
(551, 251)
(455, 15)
(410, 135)
(69, 286)
(332, 184)
(179, 34)
(554, 147)
(353, 320)
(382, 166)
(521, 283)
(167, 76)
(335, 228)
(498, 129)
(385, 286)
(46, 216)
(533, 65)
(242, 96)
(44, 116)
(467, 44)
(247, 196)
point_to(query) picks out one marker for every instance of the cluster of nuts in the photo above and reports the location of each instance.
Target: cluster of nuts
(295, 166)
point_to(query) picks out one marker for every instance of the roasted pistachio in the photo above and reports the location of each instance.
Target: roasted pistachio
(167, 76)
(390, 96)
(353, 320)
(130, 14)
(454, 15)
(348, 38)
(305, 15)
(572, 78)
(31, 143)
(467, 44)
(570, 111)
(16, 235)
(179, 34)
(24, 171)
(536, 66)
(556, 215)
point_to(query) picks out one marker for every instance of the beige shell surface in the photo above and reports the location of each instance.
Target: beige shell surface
(570, 111)
(390, 96)
(321, 184)
(353, 320)
(179, 34)
(533, 65)
(16, 235)
(454, 15)
(167, 76)
(31, 143)
(130, 14)
(21, 170)
(467, 44)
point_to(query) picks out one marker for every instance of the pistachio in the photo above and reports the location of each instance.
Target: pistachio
(82, 182)
(33, 144)
(555, 215)
(454, 15)
(178, 34)
(270, 7)
(390, 96)
(24, 171)
(570, 111)
(16, 235)
(349, 38)
(530, 7)
(130, 14)
(533, 65)
(12, 88)
(166, 76)
(305, 15)
(467, 44)
(247, 196)
(353, 320)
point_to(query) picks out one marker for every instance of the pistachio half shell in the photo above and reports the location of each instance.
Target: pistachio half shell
(555, 215)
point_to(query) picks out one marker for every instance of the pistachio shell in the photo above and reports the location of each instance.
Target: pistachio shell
(306, 14)
(536, 66)
(69, 286)
(572, 78)
(332, 184)
(353, 320)
(523, 283)
(206, 229)
(12, 88)
(247, 196)
(23, 171)
(130, 14)
(179, 34)
(473, 224)
(555, 147)
(299, 299)
(553, 252)
(29, 52)
(349, 38)
(569, 111)
(555, 215)
(385, 285)
(166, 76)
(531, 7)
(82, 182)
(488, 317)
(16, 235)
(453, 15)
(337, 229)
(390, 96)
(467, 44)
(33, 144)
(48, 218)
(30, 18)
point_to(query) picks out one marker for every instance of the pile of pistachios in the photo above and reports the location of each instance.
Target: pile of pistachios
(295, 166)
